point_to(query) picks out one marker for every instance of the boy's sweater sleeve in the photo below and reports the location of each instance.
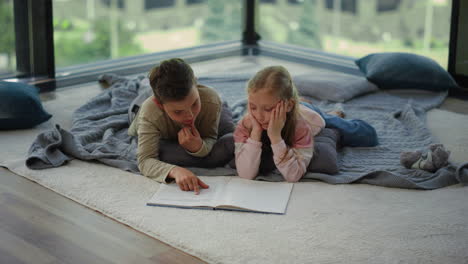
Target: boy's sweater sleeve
(247, 151)
(148, 152)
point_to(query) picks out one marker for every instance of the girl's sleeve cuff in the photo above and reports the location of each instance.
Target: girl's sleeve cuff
(280, 146)
(254, 142)
(279, 151)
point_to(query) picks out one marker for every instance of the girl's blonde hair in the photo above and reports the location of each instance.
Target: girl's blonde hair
(278, 80)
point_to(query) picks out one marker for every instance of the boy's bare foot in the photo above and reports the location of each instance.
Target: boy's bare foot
(302, 99)
(339, 113)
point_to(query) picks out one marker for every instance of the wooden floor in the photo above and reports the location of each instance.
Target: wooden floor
(40, 226)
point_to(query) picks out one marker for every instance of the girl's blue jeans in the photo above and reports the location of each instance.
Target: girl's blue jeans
(354, 132)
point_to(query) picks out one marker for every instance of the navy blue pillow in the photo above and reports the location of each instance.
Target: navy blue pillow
(20, 106)
(405, 71)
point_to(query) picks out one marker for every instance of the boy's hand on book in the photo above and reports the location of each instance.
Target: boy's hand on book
(190, 139)
(186, 180)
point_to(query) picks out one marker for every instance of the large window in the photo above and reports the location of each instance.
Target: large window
(359, 27)
(7, 38)
(88, 31)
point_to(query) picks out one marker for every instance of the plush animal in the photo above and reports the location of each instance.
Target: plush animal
(431, 159)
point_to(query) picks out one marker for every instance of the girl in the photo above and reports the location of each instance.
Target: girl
(275, 117)
(277, 124)
(181, 110)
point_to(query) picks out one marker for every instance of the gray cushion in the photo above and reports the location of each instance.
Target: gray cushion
(331, 86)
(20, 106)
(395, 70)
(325, 159)
(221, 153)
(226, 124)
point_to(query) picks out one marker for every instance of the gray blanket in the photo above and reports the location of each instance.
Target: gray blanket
(99, 133)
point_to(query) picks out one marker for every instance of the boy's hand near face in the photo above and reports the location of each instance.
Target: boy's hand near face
(190, 139)
(277, 121)
(186, 180)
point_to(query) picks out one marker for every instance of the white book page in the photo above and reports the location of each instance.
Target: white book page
(171, 194)
(260, 196)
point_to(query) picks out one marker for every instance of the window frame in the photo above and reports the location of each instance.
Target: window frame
(461, 79)
(34, 41)
(35, 49)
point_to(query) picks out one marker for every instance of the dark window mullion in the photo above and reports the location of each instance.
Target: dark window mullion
(454, 56)
(250, 36)
(23, 65)
(453, 36)
(34, 39)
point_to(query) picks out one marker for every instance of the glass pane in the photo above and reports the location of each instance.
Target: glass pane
(87, 31)
(359, 27)
(7, 38)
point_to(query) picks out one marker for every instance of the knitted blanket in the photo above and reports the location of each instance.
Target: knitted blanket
(99, 132)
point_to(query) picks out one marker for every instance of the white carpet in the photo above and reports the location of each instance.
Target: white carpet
(324, 223)
(451, 129)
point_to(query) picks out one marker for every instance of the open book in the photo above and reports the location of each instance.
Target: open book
(228, 193)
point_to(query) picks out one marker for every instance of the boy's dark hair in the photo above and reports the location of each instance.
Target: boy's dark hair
(171, 80)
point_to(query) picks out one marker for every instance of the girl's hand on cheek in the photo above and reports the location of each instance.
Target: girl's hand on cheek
(254, 126)
(256, 132)
(277, 121)
(247, 123)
